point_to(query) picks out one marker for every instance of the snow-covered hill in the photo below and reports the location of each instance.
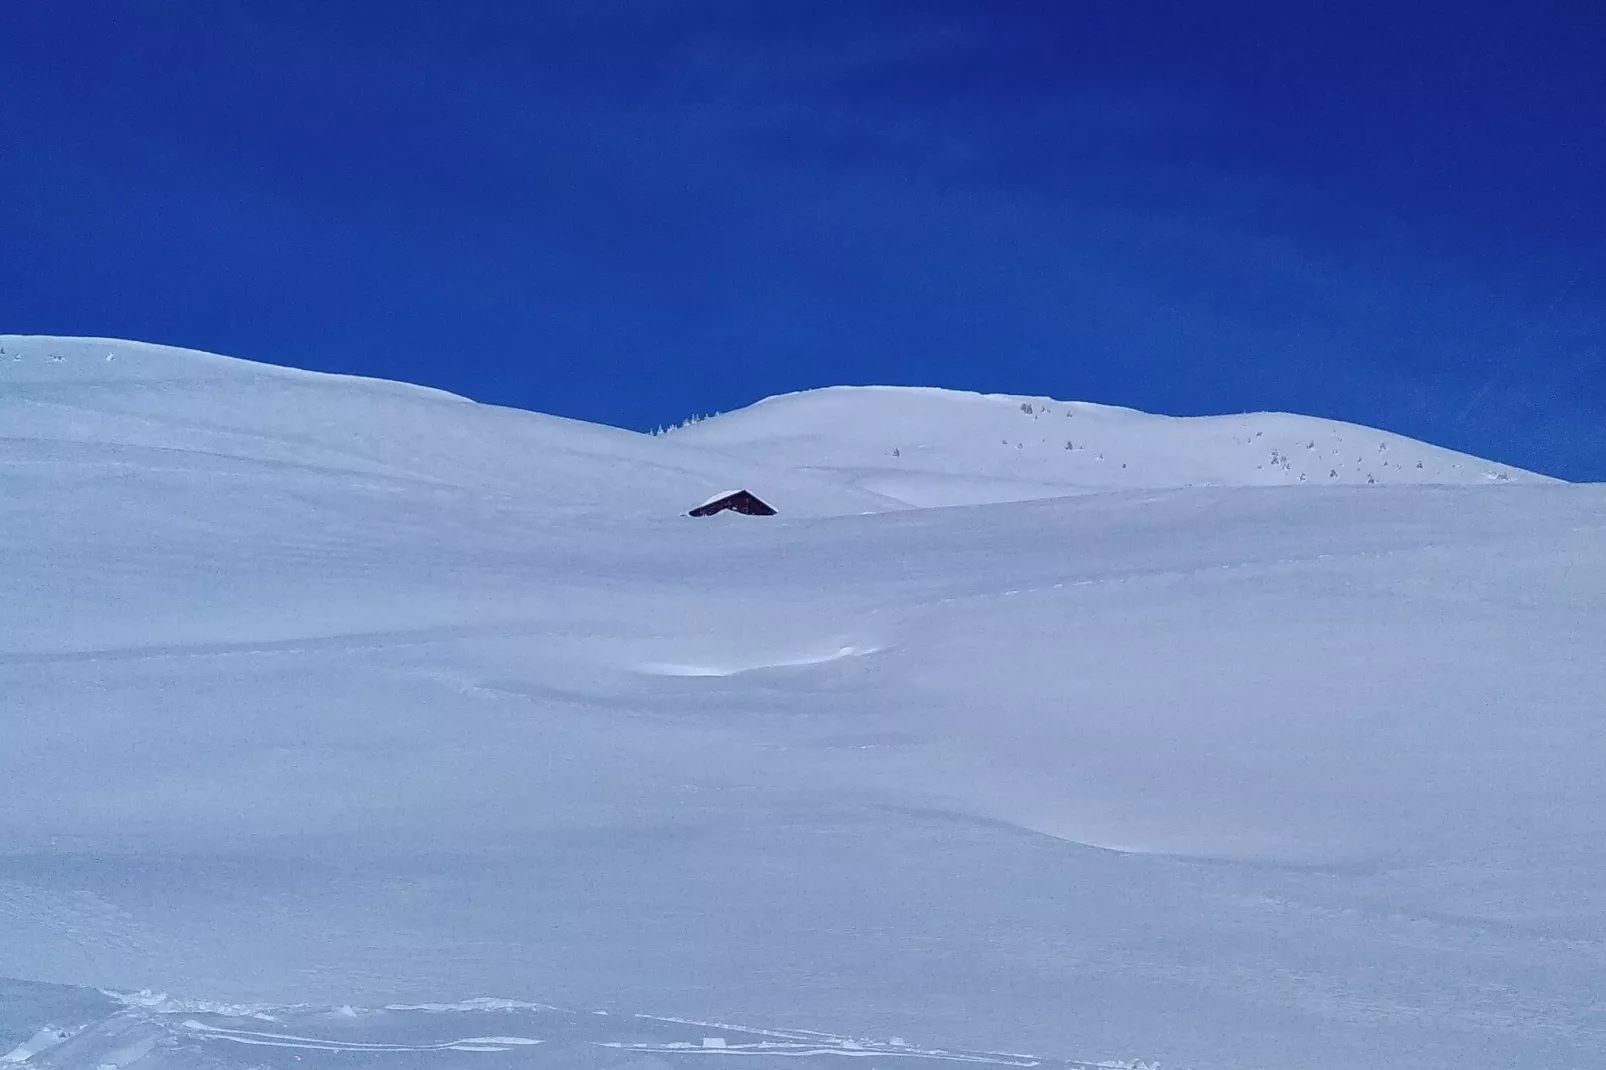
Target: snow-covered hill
(359, 722)
(164, 409)
(926, 446)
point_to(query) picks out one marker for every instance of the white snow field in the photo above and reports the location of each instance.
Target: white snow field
(928, 447)
(347, 723)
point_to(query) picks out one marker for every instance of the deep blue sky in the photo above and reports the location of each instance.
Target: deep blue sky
(634, 210)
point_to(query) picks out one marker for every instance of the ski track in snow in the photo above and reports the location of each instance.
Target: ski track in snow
(260, 1038)
(154, 1030)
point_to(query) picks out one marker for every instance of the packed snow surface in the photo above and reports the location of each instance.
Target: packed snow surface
(351, 723)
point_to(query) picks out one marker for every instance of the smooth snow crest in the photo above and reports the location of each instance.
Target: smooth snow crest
(925, 446)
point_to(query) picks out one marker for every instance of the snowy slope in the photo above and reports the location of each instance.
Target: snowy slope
(163, 409)
(926, 446)
(360, 756)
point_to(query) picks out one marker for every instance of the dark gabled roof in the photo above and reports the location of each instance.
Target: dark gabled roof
(740, 501)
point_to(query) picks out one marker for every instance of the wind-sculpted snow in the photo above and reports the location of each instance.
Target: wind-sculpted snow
(298, 719)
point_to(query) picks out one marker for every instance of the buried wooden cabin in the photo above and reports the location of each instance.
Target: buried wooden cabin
(737, 501)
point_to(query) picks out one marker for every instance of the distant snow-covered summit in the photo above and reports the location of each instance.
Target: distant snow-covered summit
(926, 446)
(154, 408)
(834, 451)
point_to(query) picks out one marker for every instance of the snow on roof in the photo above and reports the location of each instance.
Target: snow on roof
(720, 497)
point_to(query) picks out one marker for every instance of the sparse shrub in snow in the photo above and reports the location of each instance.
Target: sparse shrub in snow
(1026, 407)
(1419, 464)
(1371, 479)
(896, 452)
(695, 418)
(1332, 474)
(1068, 444)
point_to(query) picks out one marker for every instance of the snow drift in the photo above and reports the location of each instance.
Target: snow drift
(332, 707)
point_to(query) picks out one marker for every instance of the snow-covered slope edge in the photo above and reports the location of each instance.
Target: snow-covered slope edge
(928, 446)
(85, 400)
